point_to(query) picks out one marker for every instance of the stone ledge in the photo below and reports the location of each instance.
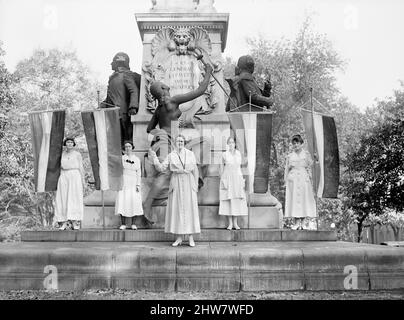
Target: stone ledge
(260, 217)
(158, 235)
(249, 266)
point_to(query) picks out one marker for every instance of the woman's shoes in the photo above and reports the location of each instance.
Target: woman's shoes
(122, 227)
(191, 241)
(231, 227)
(133, 227)
(177, 243)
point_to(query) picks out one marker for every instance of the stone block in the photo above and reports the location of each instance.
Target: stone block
(158, 235)
(213, 235)
(35, 236)
(200, 270)
(256, 235)
(264, 217)
(386, 267)
(93, 217)
(324, 267)
(95, 198)
(145, 269)
(261, 217)
(23, 269)
(308, 235)
(209, 218)
(152, 235)
(208, 195)
(271, 270)
(81, 269)
(100, 235)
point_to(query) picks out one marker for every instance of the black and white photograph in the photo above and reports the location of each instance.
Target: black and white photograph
(206, 157)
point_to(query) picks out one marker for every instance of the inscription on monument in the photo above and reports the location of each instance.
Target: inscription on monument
(175, 63)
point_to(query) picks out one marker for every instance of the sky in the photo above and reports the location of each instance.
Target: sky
(366, 33)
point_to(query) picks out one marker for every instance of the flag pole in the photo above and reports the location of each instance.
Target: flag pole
(199, 56)
(249, 176)
(315, 156)
(102, 191)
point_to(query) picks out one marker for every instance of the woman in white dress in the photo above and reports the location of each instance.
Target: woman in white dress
(69, 194)
(232, 195)
(299, 198)
(128, 203)
(182, 215)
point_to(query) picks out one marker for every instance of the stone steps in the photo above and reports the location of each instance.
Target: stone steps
(215, 266)
(263, 214)
(261, 217)
(158, 235)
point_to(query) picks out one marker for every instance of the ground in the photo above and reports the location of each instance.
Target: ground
(142, 295)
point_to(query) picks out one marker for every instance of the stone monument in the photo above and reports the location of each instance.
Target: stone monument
(174, 33)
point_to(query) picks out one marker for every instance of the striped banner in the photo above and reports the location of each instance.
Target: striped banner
(253, 134)
(325, 143)
(47, 130)
(103, 135)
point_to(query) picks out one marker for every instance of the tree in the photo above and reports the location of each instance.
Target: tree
(50, 79)
(375, 172)
(56, 79)
(14, 167)
(308, 61)
(6, 96)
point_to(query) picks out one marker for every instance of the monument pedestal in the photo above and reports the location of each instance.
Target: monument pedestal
(263, 216)
(170, 33)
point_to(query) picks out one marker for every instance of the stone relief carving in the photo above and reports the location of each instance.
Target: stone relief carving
(174, 62)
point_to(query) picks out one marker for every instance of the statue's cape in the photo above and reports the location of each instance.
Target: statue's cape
(235, 92)
(136, 76)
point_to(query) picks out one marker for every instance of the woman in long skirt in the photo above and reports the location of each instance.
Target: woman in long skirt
(128, 203)
(232, 195)
(182, 216)
(69, 194)
(299, 199)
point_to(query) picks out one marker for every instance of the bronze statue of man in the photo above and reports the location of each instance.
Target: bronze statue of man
(244, 85)
(167, 111)
(123, 92)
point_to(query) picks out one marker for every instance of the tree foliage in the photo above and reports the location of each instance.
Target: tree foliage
(369, 142)
(307, 61)
(6, 95)
(53, 79)
(375, 171)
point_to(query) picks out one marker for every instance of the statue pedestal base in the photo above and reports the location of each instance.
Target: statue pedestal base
(260, 216)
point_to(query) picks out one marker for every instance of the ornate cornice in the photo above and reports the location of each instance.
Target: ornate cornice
(152, 22)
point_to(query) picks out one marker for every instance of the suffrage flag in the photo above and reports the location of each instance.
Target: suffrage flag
(253, 134)
(47, 129)
(322, 138)
(103, 135)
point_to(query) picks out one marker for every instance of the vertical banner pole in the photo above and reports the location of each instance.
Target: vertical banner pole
(103, 209)
(249, 101)
(315, 156)
(102, 191)
(249, 177)
(249, 204)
